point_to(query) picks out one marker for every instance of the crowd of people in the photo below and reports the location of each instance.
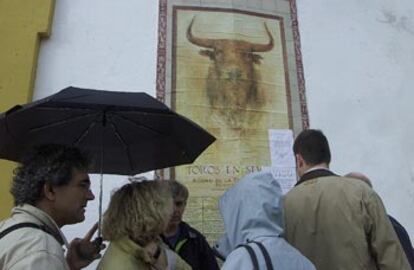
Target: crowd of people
(325, 222)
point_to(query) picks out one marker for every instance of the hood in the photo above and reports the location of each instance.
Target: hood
(252, 208)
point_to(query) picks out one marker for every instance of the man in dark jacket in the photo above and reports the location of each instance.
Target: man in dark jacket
(398, 228)
(186, 241)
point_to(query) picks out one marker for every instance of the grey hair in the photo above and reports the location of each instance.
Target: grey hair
(178, 189)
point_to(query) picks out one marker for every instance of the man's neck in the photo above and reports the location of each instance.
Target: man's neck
(314, 171)
(308, 168)
(321, 166)
(171, 230)
(45, 207)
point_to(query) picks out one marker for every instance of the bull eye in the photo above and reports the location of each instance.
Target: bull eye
(208, 53)
(256, 58)
(218, 52)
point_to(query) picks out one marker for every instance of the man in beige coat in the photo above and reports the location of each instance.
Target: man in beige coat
(51, 189)
(337, 224)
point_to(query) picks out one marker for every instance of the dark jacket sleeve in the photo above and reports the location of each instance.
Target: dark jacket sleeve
(385, 247)
(210, 262)
(404, 240)
(196, 251)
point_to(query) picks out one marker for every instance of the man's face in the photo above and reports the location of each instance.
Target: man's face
(71, 199)
(179, 207)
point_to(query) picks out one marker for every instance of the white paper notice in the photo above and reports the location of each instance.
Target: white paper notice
(283, 160)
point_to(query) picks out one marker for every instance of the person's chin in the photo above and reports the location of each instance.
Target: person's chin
(80, 217)
(175, 222)
(75, 220)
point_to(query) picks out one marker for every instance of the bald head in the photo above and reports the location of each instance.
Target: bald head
(359, 176)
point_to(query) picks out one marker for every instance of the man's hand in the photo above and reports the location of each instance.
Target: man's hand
(83, 251)
(158, 255)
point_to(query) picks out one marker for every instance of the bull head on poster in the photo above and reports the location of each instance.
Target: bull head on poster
(232, 80)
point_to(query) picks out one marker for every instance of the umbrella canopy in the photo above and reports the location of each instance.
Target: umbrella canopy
(124, 132)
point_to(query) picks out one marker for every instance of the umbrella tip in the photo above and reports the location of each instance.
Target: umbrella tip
(13, 109)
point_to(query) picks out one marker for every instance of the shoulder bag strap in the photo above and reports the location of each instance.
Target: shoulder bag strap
(252, 256)
(23, 225)
(266, 256)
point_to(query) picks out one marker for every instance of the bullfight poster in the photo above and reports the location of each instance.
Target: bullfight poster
(233, 67)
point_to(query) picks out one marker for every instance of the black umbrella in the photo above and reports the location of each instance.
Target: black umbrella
(136, 132)
(124, 132)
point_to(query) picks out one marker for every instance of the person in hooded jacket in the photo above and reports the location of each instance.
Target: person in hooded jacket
(252, 215)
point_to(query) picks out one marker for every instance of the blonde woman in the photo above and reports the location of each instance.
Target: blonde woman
(137, 214)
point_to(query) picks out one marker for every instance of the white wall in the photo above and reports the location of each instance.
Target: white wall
(99, 44)
(359, 66)
(359, 69)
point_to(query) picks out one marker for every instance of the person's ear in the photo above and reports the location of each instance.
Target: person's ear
(300, 162)
(49, 192)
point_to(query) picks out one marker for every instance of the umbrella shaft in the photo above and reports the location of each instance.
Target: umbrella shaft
(100, 206)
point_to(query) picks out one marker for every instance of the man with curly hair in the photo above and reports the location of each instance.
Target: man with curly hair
(51, 188)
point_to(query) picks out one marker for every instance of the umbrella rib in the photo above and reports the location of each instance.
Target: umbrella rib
(61, 122)
(184, 153)
(138, 125)
(84, 133)
(119, 137)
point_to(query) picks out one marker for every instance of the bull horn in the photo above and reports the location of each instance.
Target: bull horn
(264, 47)
(202, 42)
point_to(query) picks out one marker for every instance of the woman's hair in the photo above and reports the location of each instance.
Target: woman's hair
(140, 210)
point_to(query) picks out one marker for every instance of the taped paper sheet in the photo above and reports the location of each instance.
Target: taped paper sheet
(283, 166)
